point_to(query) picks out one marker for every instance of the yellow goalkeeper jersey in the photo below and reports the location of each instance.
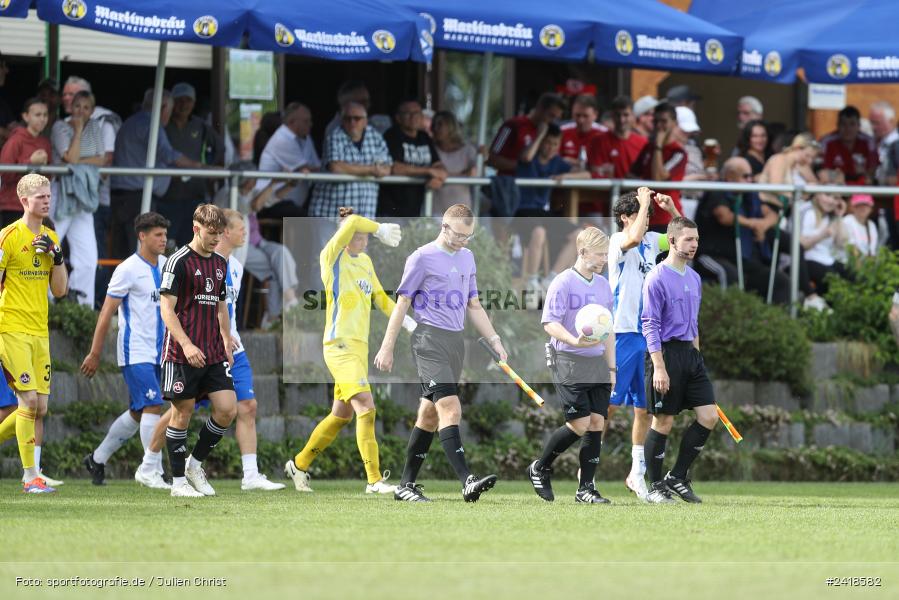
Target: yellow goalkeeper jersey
(26, 278)
(351, 284)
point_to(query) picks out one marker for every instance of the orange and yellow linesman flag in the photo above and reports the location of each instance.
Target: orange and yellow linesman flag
(511, 373)
(729, 426)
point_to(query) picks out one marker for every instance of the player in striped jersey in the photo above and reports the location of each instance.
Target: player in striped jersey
(632, 254)
(196, 350)
(350, 285)
(235, 236)
(134, 292)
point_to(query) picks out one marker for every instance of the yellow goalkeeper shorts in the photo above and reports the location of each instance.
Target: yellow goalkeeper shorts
(26, 360)
(347, 360)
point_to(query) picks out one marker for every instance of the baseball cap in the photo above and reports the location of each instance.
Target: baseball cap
(861, 199)
(184, 89)
(681, 93)
(686, 119)
(644, 105)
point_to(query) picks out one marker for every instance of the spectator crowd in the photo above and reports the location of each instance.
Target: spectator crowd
(658, 139)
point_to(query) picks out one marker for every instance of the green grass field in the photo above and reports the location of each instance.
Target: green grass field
(748, 540)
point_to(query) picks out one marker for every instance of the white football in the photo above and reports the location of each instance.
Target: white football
(594, 321)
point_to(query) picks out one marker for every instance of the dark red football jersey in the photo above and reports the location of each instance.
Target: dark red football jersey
(199, 284)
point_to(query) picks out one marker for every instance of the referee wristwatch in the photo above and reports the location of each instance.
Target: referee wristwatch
(494, 338)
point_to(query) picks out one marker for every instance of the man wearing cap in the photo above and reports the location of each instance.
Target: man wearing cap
(110, 122)
(682, 95)
(643, 108)
(194, 138)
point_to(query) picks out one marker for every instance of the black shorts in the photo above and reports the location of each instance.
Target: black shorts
(181, 381)
(690, 384)
(582, 384)
(438, 355)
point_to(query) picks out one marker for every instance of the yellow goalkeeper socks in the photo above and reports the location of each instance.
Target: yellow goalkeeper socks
(8, 427)
(368, 445)
(25, 436)
(322, 436)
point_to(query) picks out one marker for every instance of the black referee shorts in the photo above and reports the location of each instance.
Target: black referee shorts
(438, 355)
(180, 381)
(690, 384)
(582, 384)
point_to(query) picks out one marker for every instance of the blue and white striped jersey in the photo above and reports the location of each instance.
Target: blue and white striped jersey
(232, 281)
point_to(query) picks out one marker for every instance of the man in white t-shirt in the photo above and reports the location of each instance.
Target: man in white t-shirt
(134, 292)
(632, 255)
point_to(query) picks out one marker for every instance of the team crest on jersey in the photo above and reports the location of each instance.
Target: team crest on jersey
(36, 261)
(177, 387)
(206, 26)
(209, 284)
(364, 285)
(25, 378)
(624, 43)
(218, 274)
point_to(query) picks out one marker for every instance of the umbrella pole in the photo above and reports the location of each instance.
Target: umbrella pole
(774, 252)
(155, 115)
(484, 98)
(739, 247)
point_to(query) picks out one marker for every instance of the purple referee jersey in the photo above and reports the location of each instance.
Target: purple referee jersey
(567, 294)
(439, 283)
(671, 302)
(199, 284)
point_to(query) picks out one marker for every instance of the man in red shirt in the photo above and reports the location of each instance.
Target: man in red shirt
(578, 135)
(518, 132)
(663, 159)
(850, 151)
(614, 152)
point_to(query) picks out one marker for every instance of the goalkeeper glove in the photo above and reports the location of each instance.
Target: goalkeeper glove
(389, 234)
(44, 244)
(409, 324)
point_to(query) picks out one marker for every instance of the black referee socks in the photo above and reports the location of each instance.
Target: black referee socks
(452, 446)
(560, 441)
(690, 447)
(591, 445)
(654, 451)
(416, 452)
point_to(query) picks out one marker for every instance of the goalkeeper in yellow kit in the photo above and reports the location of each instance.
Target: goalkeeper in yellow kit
(30, 261)
(350, 285)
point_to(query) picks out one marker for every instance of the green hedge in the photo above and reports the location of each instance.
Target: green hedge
(743, 338)
(860, 307)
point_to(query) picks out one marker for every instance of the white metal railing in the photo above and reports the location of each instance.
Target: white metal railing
(615, 186)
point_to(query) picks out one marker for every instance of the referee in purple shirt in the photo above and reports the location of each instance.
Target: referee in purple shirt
(440, 284)
(677, 379)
